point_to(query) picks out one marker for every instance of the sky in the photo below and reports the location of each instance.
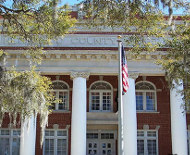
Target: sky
(71, 2)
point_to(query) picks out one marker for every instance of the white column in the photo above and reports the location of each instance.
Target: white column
(28, 136)
(178, 122)
(130, 120)
(78, 122)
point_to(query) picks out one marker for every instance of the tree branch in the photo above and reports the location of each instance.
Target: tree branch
(15, 11)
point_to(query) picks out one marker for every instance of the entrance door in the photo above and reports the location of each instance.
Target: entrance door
(100, 143)
(107, 147)
(92, 147)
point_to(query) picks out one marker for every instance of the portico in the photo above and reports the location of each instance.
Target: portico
(89, 69)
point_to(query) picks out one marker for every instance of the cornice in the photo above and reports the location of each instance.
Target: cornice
(86, 55)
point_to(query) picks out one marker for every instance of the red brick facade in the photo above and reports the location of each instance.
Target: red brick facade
(160, 118)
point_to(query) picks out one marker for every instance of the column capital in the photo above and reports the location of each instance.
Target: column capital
(133, 75)
(79, 74)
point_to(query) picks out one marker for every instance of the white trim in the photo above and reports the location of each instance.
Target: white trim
(146, 138)
(61, 82)
(101, 81)
(99, 140)
(57, 93)
(10, 137)
(101, 97)
(144, 97)
(55, 138)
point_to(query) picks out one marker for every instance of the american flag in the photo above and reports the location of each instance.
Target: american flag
(125, 76)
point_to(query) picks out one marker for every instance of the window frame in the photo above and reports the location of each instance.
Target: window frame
(101, 96)
(143, 91)
(188, 142)
(56, 91)
(146, 138)
(55, 138)
(11, 136)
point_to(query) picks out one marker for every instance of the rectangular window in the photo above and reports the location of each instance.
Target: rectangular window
(107, 135)
(101, 101)
(150, 101)
(9, 141)
(61, 100)
(95, 101)
(139, 100)
(106, 101)
(92, 135)
(147, 142)
(63, 104)
(55, 142)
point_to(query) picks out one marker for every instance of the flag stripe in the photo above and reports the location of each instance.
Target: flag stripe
(125, 76)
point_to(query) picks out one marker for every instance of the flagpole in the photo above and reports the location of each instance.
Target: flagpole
(120, 103)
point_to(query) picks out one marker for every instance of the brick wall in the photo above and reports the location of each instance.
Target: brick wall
(160, 118)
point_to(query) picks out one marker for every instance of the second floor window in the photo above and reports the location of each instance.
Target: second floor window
(101, 97)
(145, 96)
(61, 93)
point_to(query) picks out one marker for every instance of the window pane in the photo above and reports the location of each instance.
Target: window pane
(52, 107)
(61, 133)
(101, 86)
(107, 136)
(4, 146)
(140, 133)
(151, 133)
(92, 135)
(151, 147)
(150, 101)
(63, 103)
(139, 100)
(95, 100)
(49, 133)
(144, 86)
(15, 146)
(106, 101)
(61, 146)
(59, 85)
(5, 132)
(140, 147)
(16, 132)
(49, 147)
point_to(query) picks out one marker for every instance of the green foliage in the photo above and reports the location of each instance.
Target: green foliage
(35, 22)
(145, 23)
(176, 62)
(24, 94)
(140, 19)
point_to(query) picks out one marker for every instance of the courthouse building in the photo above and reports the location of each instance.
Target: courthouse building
(83, 67)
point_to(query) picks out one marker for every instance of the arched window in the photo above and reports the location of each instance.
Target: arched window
(61, 93)
(101, 98)
(145, 96)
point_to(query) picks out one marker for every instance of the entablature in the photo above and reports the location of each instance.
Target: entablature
(94, 55)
